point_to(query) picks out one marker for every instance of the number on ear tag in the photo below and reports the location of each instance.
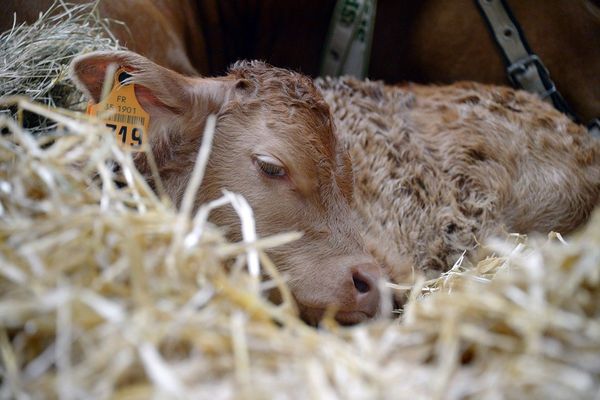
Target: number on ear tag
(121, 111)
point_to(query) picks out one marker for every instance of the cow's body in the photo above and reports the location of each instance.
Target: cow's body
(427, 41)
(432, 41)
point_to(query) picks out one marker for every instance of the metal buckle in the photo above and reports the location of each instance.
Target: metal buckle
(519, 67)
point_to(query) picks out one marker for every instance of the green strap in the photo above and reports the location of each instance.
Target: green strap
(348, 45)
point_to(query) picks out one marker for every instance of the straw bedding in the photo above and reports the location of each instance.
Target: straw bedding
(108, 291)
(35, 58)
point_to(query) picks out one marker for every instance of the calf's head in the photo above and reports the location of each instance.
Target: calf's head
(275, 144)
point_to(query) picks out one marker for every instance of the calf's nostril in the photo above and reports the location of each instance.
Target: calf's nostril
(360, 284)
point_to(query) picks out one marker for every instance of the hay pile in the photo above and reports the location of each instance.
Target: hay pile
(112, 292)
(35, 58)
(108, 291)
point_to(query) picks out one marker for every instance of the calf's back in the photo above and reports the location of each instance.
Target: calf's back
(439, 168)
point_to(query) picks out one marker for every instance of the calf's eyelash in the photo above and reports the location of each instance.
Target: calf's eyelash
(270, 169)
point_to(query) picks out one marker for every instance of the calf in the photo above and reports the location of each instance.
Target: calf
(434, 167)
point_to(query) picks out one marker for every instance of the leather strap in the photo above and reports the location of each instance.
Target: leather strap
(524, 68)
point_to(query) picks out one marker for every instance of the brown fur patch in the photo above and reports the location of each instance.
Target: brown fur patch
(438, 167)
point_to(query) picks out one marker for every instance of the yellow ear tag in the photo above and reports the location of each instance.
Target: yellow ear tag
(122, 112)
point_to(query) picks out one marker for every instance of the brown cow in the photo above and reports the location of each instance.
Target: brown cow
(421, 41)
(428, 41)
(434, 168)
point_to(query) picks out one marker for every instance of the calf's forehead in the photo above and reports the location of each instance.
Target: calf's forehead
(292, 122)
(304, 129)
(290, 99)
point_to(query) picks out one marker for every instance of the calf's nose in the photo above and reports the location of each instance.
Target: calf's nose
(362, 301)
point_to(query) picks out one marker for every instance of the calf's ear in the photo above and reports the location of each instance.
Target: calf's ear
(160, 91)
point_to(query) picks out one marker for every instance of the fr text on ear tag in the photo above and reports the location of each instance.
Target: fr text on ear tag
(121, 111)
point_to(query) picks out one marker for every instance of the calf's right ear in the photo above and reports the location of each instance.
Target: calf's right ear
(160, 91)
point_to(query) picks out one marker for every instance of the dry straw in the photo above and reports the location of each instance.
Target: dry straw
(35, 58)
(109, 291)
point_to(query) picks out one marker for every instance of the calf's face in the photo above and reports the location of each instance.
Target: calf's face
(274, 144)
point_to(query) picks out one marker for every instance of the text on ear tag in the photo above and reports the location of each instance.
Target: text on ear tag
(122, 112)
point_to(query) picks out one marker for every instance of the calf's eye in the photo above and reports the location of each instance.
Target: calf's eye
(269, 166)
